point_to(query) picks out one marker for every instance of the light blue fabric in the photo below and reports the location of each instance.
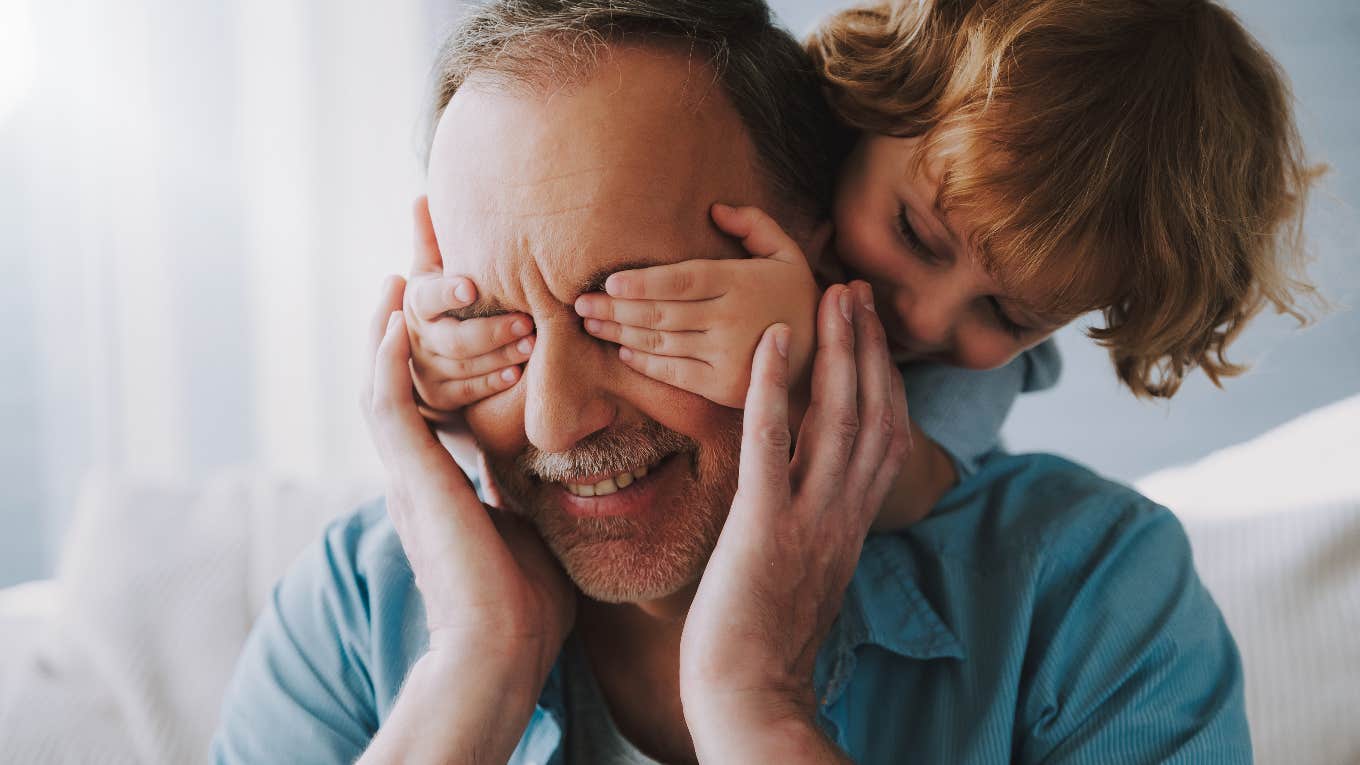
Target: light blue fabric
(1039, 615)
(962, 410)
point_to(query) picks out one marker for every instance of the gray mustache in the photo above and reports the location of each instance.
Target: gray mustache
(609, 451)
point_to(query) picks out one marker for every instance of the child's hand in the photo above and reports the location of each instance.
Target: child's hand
(456, 362)
(695, 325)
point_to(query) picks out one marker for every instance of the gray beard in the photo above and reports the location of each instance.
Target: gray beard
(628, 560)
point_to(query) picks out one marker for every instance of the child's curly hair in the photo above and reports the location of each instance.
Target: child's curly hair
(1154, 139)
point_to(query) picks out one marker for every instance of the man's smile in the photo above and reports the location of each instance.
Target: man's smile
(603, 485)
(628, 493)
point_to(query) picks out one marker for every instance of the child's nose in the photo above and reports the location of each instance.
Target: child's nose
(930, 321)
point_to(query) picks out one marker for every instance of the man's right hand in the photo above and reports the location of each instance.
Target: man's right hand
(497, 604)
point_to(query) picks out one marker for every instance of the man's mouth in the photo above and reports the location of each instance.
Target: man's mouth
(596, 486)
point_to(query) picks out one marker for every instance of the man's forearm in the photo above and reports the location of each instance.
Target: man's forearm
(456, 710)
(793, 740)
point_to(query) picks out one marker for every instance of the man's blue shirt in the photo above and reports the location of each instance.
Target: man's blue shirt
(1040, 614)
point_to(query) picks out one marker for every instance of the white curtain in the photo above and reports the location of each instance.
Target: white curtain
(200, 200)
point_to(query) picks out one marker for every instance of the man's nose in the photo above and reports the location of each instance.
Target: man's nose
(565, 396)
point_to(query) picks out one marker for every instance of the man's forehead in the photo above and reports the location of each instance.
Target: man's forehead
(607, 175)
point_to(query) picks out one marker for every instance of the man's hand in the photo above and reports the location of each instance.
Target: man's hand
(695, 324)
(456, 362)
(776, 579)
(497, 604)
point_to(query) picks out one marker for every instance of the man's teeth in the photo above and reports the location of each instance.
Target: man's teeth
(608, 485)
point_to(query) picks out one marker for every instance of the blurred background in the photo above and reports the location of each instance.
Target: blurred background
(198, 201)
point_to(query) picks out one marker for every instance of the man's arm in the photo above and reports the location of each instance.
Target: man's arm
(476, 696)
(302, 690)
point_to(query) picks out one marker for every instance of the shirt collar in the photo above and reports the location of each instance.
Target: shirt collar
(883, 607)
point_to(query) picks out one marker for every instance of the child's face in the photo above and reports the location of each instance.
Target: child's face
(936, 299)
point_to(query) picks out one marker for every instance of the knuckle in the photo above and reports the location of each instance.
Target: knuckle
(653, 315)
(775, 436)
(654, 342)
(846, 426)
(664, 371)
(682, 281)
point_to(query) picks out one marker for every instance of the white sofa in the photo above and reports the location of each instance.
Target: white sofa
(123, 656)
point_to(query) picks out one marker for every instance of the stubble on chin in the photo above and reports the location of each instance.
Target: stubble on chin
(630, 560)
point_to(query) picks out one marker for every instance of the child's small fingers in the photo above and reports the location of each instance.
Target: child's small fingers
(688, 374)
(687, 280)
(687, 344)
(760, 234)
(458, 340)
(452, 395)
(432, 296)
(508, 355)
(669, 315)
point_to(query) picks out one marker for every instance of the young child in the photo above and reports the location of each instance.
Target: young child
(1020, 163)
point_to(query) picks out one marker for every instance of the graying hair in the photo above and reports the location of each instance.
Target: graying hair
(764, 72)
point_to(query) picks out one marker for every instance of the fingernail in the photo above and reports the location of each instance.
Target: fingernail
(463, 291)
(781, 341)
(525, 345)
(625, 354)
(593, 326)
(613, 285)
(845, 305)
(867, 295)
(583, 306)
(521, 328)
(723, 208)
(508, 374)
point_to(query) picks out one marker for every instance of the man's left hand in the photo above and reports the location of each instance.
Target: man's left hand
(790, 545)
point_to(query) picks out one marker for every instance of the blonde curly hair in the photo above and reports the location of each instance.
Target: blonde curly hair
(1154, 140)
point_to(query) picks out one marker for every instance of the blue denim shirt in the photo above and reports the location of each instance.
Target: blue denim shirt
(1040, 614)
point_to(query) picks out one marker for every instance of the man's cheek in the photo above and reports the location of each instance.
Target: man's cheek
(497, 423)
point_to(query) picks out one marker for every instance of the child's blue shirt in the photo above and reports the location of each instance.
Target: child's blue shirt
(962, 410)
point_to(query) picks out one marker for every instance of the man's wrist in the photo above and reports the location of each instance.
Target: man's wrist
(759, 730)
(463, 708)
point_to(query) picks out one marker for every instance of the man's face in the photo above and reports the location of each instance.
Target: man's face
(539, 197)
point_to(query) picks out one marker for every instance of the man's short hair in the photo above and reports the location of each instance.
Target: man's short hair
(763, 71)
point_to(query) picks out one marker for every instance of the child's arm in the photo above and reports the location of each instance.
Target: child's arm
(695, 325)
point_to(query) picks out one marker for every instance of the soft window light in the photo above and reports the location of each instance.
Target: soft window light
(17, 56)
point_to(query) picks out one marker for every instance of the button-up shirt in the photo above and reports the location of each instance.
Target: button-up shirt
(1039, 614)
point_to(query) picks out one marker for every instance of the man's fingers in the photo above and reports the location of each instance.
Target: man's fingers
(427, 258)
(684, 344)
(687, 280)
(763, 480)
(758, 232)
(393, 408)
(462, 340)
(389, 300)
(668, 315)
(831, 424)
(430, 297)
(900, 446)
(878, 413)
